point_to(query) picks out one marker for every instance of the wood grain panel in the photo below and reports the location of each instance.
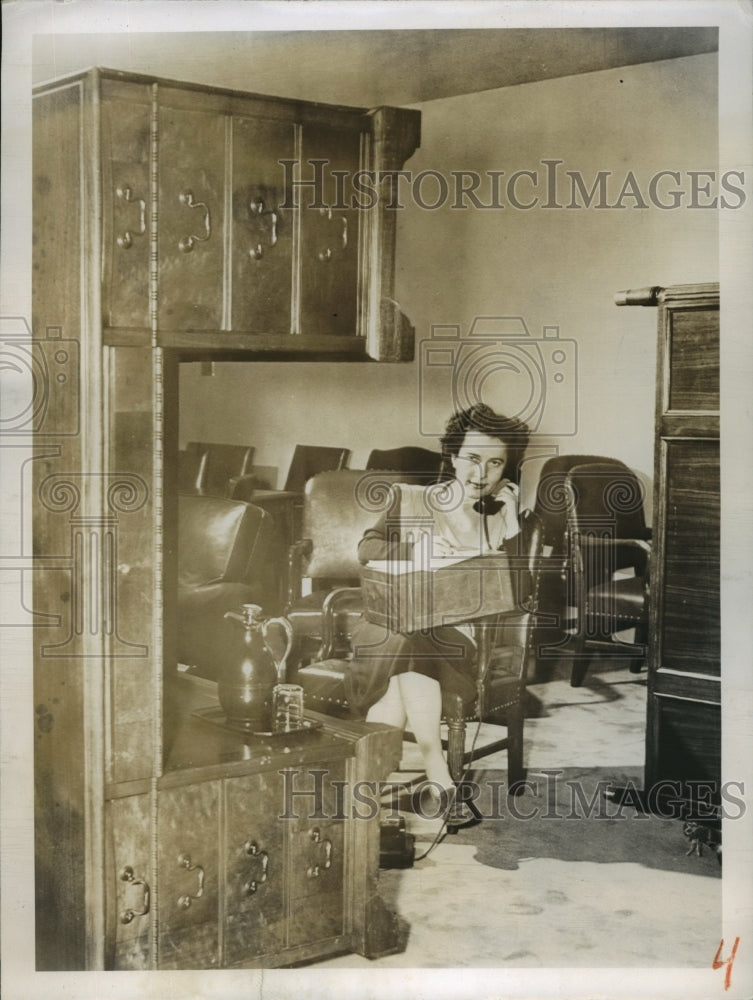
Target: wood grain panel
(693, 357)
(126, 210)
(262, 232)
(329, 270)
(56, 179)
(129, 883)
(689, 744)
(191, 205)
(135, 656)
(690, 592)
(188, 828)
(254, 868)
(317, 859)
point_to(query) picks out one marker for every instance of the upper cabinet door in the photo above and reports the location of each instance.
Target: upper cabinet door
(234, 221)
(262, 231)
(191, 219)
(126, 199)
(330, 156)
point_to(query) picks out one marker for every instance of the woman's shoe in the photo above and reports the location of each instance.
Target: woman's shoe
(432, 802)
(429, 801)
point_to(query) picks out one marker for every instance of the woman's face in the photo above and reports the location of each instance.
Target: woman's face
(480, 463)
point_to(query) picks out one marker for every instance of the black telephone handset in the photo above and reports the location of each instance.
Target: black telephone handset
(488, 505)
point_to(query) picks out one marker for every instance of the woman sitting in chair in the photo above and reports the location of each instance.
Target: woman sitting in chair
(399, 678)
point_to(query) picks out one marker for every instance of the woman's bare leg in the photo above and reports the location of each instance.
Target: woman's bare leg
(422, 702)
(389, 709)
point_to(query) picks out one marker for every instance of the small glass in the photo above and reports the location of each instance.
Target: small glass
(287, 708)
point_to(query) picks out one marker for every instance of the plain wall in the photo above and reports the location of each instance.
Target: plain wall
(553, 267)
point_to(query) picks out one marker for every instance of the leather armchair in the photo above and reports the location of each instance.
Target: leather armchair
(334, 522)
(557, 593)
(610, 556)
(224, 560)
(325, 557)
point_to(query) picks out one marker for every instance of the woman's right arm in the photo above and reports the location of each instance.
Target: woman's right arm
(379, 542)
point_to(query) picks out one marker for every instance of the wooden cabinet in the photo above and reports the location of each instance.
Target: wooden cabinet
(260, 859)
(161, 229)
(683, 729)
(231, 222)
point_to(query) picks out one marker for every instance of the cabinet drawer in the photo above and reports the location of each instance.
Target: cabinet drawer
(329, 235)
(128, 883)
(188, 904)
(317, 868)
(254, 868)
(127, 204)
(262, 231)
(191, 209)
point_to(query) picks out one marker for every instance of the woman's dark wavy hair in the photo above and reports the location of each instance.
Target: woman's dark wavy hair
(482, 418)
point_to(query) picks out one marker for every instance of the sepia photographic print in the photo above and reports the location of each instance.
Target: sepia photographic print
(376, 499)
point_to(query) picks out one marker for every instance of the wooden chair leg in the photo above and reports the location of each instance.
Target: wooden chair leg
(579, 670)
(455, 747)
(515, 770)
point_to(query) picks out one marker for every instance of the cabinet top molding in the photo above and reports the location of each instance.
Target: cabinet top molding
(104, 73)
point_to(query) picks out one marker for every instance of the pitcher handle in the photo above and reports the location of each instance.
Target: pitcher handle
(288, 629)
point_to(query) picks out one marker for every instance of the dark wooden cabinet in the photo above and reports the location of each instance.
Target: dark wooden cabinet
(159, 230)
(683, 727)
(231, 221)
(248, 853)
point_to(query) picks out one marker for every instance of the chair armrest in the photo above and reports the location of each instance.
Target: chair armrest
(244, 487)
(330, 606)
(637, 543)
(641, 547)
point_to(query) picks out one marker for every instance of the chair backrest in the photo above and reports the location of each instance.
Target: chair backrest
(219, 540)
(418, 465)
(308, 460)
(504, 645)
(220, 463)
(551, 496)
(338, 507)
(608, 502)
(190, 464)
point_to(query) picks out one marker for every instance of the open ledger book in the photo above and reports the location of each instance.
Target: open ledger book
(399, 566)
(410, 595)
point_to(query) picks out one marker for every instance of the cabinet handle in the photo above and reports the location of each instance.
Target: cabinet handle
(184, 860)
(127, 915)
(126, 240)
(257, 208)
(328, 253)
(313, 871)
(253, 851)
(187, 242)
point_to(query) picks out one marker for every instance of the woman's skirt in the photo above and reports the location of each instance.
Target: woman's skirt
(443, 653)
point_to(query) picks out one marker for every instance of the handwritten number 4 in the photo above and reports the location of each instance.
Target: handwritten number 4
(720, 963)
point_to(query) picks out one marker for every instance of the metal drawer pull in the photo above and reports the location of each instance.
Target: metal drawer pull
(187, 242)
(126, 240)
(127, 875)
(313, 871)
(328, 253)
(257, 208)
(253, 851)
(184, 860)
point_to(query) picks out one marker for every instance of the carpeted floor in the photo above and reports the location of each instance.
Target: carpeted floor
(561, 876)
